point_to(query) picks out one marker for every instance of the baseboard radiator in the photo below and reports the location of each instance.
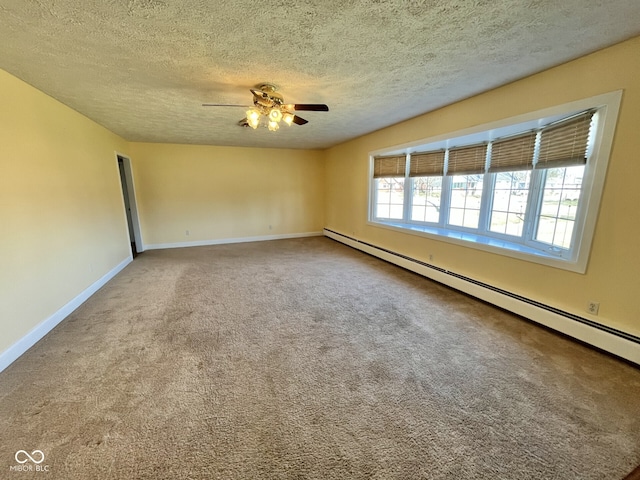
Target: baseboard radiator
(616, 342)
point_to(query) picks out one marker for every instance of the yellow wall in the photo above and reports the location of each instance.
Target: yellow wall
(62, 223)
(226, 192)
(613, 273)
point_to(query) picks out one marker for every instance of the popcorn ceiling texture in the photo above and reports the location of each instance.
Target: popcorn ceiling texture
(142, 68)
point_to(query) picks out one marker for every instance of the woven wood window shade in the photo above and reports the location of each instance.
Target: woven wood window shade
(467, 160)
(427, 164)
(565, 143)
(392, 166)
(513, 153)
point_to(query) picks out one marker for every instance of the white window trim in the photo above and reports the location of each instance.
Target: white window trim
(608, 105)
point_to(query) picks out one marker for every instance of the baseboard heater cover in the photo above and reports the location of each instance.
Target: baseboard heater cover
(617, 342)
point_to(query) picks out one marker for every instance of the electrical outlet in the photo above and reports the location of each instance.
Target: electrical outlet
(430, 257)
(187, 233)
(593, 307)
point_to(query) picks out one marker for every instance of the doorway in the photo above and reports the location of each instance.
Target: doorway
(131, 210)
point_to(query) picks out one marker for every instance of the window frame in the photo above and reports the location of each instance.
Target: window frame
(576, 257)
(374, 206)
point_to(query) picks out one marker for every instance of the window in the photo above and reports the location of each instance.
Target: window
(559, 206)
(390, 197)
(425, 199)
(388, 173)
(511, 163)
(426, 171)
(509, 203)
(529, 189)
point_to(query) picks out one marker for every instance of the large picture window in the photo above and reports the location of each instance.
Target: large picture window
(529, 189)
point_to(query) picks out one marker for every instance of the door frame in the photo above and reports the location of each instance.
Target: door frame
(133, 202)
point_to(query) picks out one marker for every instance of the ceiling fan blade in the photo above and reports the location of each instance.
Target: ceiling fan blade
(224, 105)
(259, 93)
(299, 121)
(311, 107)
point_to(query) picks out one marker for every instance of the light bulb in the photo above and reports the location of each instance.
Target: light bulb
(253, 118)
(275, 115)
(253, 114)
(288, 118)
(273, 126)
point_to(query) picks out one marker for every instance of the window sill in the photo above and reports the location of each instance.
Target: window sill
(480, 242)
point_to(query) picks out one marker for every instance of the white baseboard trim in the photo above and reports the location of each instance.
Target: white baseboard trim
(222, 241)
(619, 343)
(11, 354)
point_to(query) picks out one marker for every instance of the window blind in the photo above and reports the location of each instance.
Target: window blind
(513, 153)
(467, 160)
(564, 143)
(392, 166)
(427, 164)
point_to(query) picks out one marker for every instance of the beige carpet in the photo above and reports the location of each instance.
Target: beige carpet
(305, 359)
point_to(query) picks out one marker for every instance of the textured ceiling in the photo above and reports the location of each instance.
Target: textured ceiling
(142, 68)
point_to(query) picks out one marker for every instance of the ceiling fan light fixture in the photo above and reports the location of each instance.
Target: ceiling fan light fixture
(253, 114)
(253, 118)
(273, 125)
(269, 104)
(275, 115)
(288, 118)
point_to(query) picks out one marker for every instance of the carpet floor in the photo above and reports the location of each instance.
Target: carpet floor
(305, 359)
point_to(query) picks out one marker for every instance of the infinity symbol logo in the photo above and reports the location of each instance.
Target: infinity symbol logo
(30, 457)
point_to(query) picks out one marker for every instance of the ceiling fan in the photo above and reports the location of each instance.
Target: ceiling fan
(268, 103)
